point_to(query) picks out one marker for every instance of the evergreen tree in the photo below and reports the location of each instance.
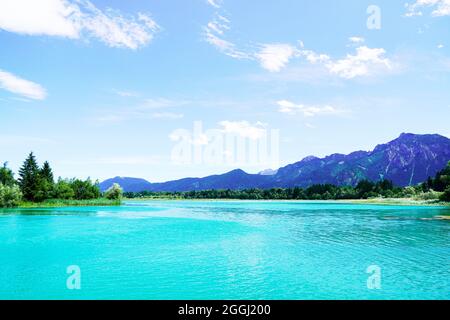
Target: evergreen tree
(47, 173)
(6, 176)
(46, 186)
(29, 178)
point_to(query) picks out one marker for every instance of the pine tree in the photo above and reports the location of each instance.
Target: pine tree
(6, 176)
(29, 178)
(47, 173)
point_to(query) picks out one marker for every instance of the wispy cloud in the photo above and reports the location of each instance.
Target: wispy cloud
(25, 88)
(127, 94)
(289, 107)
(244, 129)
(439, 8)
(147, 109)
(274, 57)
(214, 3)
(365, 62)
(356, 40)
(75, 19)
(214, 35)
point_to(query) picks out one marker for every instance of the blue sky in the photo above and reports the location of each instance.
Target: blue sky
(104, 88)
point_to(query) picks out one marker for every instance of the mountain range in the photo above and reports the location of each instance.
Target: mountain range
(408, 160)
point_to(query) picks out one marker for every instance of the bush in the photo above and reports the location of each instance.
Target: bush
(10, 196)
(430, 195)
(63, 190)
(114, 193)
(85, 190)
(409, 192)
(446, 195)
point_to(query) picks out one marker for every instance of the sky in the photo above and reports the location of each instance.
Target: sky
(166, 89)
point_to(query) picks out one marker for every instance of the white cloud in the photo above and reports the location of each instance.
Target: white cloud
(439, 8)
(76, 19)
(365, 62)
(356, 40)
(25, 88)
(440, 46)
(244, 129)
(288, 107)
(127, 94)
(214, 3)
(214, 35)
(274, 57)
(313, 57)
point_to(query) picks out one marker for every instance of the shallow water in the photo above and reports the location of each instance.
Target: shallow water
(226, 250)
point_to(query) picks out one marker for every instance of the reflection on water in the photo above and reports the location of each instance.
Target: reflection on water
(226, 250)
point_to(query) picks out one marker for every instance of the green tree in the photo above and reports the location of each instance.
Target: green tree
(63, 190)
(85, 190)
(46, 183)
(29, 176)
(6, 176)
(446, 195)
(114, 193)
(47, 173)
(365, 189)
(10, 196)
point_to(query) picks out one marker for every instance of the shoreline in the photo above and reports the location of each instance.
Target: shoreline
(69, 203)
(110, 203)
(374, 201)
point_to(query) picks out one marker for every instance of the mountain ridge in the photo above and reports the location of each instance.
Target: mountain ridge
(406, 160)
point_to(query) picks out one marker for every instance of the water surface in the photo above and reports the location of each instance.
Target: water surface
(225, 250)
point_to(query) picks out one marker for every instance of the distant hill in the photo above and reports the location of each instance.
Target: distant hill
(128, 184)
(408, 160)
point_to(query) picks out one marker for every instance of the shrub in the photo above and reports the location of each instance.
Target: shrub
(430, 195)
(114, 193)
(409, 192)
(85, 190)
(10, 196)
(63, 190)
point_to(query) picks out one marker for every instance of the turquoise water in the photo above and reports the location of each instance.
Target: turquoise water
(225, 250)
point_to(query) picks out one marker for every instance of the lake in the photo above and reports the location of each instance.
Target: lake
(225, 250)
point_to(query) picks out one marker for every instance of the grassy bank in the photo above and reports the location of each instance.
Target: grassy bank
(398, 201)
(70, 203)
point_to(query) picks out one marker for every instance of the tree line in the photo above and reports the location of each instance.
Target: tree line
(37, 184)
(437, 188)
